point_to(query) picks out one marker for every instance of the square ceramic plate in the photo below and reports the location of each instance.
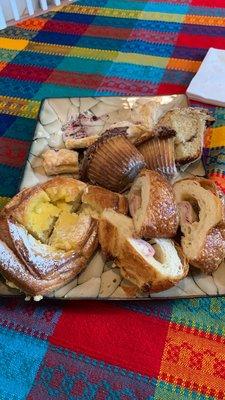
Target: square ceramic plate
(102, 280)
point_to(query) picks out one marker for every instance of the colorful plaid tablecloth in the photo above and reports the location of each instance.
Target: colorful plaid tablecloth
(108, 350)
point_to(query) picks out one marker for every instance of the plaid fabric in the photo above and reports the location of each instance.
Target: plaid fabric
(108, 350)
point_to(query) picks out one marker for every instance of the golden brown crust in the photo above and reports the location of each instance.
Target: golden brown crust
(60, 161)
(144, 273)
(212, 253)
(39, 267)
(99, 199)
(134, 268)
(73, 187)
(112, 162)
(208, 244)
(160, 217)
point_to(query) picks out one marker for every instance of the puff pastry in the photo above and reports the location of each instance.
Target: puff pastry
(201, 212)
(44, 244)
(61, 161)
(150, 266)
(152, 206)
(99, 199)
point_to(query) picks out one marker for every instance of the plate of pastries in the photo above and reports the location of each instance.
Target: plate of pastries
(115, 204)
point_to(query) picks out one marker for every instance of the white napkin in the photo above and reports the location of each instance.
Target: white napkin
(208, 85)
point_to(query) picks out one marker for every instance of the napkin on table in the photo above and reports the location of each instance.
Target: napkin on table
(208, 85)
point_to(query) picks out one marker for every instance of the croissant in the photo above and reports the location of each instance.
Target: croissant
(151, 266)
(152, 206)
(201, 210)
(43, 243)
(98, 199)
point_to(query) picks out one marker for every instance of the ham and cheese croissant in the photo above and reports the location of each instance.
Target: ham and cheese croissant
(201, 212)
(151, 266)
(152, 206)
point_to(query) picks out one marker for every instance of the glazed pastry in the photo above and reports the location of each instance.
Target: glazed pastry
(151, 266)
(43, 243)
(189, 125)
(61, 161)
(98, 199)
(82, 132)
(159, 152)
(152, 206)
(112, 161)
(38, 208)
(202, 223)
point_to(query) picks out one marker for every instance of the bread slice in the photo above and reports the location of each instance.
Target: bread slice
(201, 215)
(154, 266)
(152, 206)
(189, 125)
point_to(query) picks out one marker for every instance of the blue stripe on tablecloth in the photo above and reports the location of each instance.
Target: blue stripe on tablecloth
(20, 359)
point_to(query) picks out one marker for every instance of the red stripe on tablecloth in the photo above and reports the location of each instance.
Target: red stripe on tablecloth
(65, 27)
(208, 3)
(92, 81)
(115, 335)
(200, 41)
(13, 152)
(170, 88)
(105, 31)
(26, 72)
(108, 31)
(96, 81)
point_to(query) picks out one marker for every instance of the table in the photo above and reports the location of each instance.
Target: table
(107, 350)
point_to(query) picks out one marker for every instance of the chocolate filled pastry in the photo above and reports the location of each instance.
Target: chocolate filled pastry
(61, 161)
(151, 266)
(201, 210)
(152, 206)
(112, 161)
(97, 199)
(159, 152)
(43, 242)
(189, 125)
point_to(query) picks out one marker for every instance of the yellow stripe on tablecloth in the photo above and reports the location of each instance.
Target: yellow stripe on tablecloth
(217, 137)
(19, 107)
(13, 44)
(134, 58)
(46, 48)
(121, 13)
(96, 54)
(99, 54)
